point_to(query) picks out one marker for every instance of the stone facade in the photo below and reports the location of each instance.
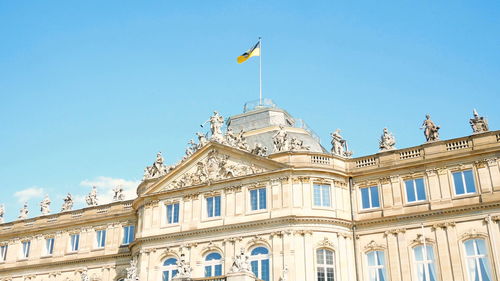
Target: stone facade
(311, 201)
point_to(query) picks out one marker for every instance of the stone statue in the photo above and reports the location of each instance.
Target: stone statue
(479, 124)
(280, 140)
(216, 122)
(387, 141)
(231, 138)
(118, 194)
(296, 145)
(241, 141)
(85, 275)
(183, 268)
(191, 148)
(339, 145)
(91, 198)
(68, 203)
(202, 140)
(132, 271)
(431, 131)
(156, 170)
(23, 213)
(259, 150)
(284, 274)
(2, 212)
(241, 262)
(45, 205)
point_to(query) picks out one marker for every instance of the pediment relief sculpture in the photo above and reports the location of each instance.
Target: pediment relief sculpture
(374, 246)
(156, 170)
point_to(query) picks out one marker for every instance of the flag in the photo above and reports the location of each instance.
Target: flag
(253, 52)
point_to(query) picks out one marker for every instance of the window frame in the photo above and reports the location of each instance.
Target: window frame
(379, 196)
(415, 191)
(127, 234)
(49, 251)
(171, 268)
(74, 245)
(464, 182)
(259, 258)
(173, 204)
(322, 199)
(325, 266)
(213, 264)
(425, 261)
(3, 252)
(377, 267)
(25, 249)
(476, 257)
(259, 203)
(214, 207)
(100, 239)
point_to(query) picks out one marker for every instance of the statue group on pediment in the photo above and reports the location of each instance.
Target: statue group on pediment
(23, 213)
(118, 194)
(478, 123)
(387, 141)
(45, 205)
(339, 145)
(259, 150)
(156, 170)
(282, 142)
(68, 203)
(91, 198)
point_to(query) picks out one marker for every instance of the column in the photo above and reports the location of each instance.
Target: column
(495, 173)
(289, 254)
(433, 184)
(393, 267)
(403, 255)
(494, 234)
(456, 257)
(278, 262)
(442, 252)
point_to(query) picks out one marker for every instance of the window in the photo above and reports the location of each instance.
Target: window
(415, 190)
(325, 265)
(213, 265)
(464, 182)
(258, 199)
(128, 234)
(213, 206)
(259, 260)
(100, 238)
(172, 213)
(3, 252)
(74, 242)
(478, 267)
(376, 269)
(322, 195)
(169, 269)
(26, 249)
(424, 262)
(369, 197)
(49, 246)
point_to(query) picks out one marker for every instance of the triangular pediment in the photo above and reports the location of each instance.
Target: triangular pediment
(212, 163)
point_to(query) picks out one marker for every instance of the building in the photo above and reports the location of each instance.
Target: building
(267, 191)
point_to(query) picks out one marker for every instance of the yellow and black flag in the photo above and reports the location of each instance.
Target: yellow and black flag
(253, 52)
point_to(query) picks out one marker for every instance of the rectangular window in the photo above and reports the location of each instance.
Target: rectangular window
(128, 234)
(3, 252)
(424, 258)
(369, 197)
(49, 246)
(321, 195)
(74, 242)
(172, 213)
(258, 199)
(415, 190)
(478, 265)
(26, 249)
(464, 182)
(100, 238)
(213, 206)
(376, 266)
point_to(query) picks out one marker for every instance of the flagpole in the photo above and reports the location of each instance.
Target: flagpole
(260, 71)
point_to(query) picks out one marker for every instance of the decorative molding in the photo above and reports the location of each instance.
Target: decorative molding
(420, 240)
(394, 231)
(473, 233)
(443, 225)
(325, 243)
(374, 246)
(385, 180)
(303, 232)
(191, 196)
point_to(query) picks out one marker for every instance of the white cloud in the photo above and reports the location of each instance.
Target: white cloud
(105, 187)
(29, 193)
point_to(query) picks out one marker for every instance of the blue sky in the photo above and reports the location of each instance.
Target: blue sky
(91, 90)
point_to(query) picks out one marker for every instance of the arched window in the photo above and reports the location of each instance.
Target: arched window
(424, 262)
(476, 256)
(325, 265)
(213, 265)
(259, 260)
(376, 266)
(169, 269)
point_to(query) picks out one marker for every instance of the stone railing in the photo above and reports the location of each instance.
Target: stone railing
(216, 278)
(366, 162)
(459, 144)
(410, 153)
(319, 159)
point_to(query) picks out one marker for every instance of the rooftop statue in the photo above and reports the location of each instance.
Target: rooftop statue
(241, 262)
(387, 141)
(118, 194)
(156, 170)
(191, 148)
(45, 205)
(202, 140)
(2, 212)
(23, 213)
(68, 203)
(216, 123)
(431, 131)
(231, 138)
(183, 268)
(339, 145)
(297, 145)
(91, 198)
(280, 140)
(259, 150)
(479, 124)
(241, 141)
(132, 271)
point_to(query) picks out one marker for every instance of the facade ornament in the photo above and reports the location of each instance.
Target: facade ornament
(284, 274)
(91, 198)
(45, 205)
(387, 141)
(68, 203)
(431, 130)
(118, 194)
(156, 170)
(373, 246)
(2, 212)
(420, 240)
(23, 213)
(216, 122)
(473, 233)
(241, 262)
(479, 124)
(259, 150)
(231, 138)
(183, 268)
(132, 270)
(190, 149)
(84, 274)
(298, 145)
(326, 243)
(339, 145)
(241, 141)
(280, 140)
(202, 140)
